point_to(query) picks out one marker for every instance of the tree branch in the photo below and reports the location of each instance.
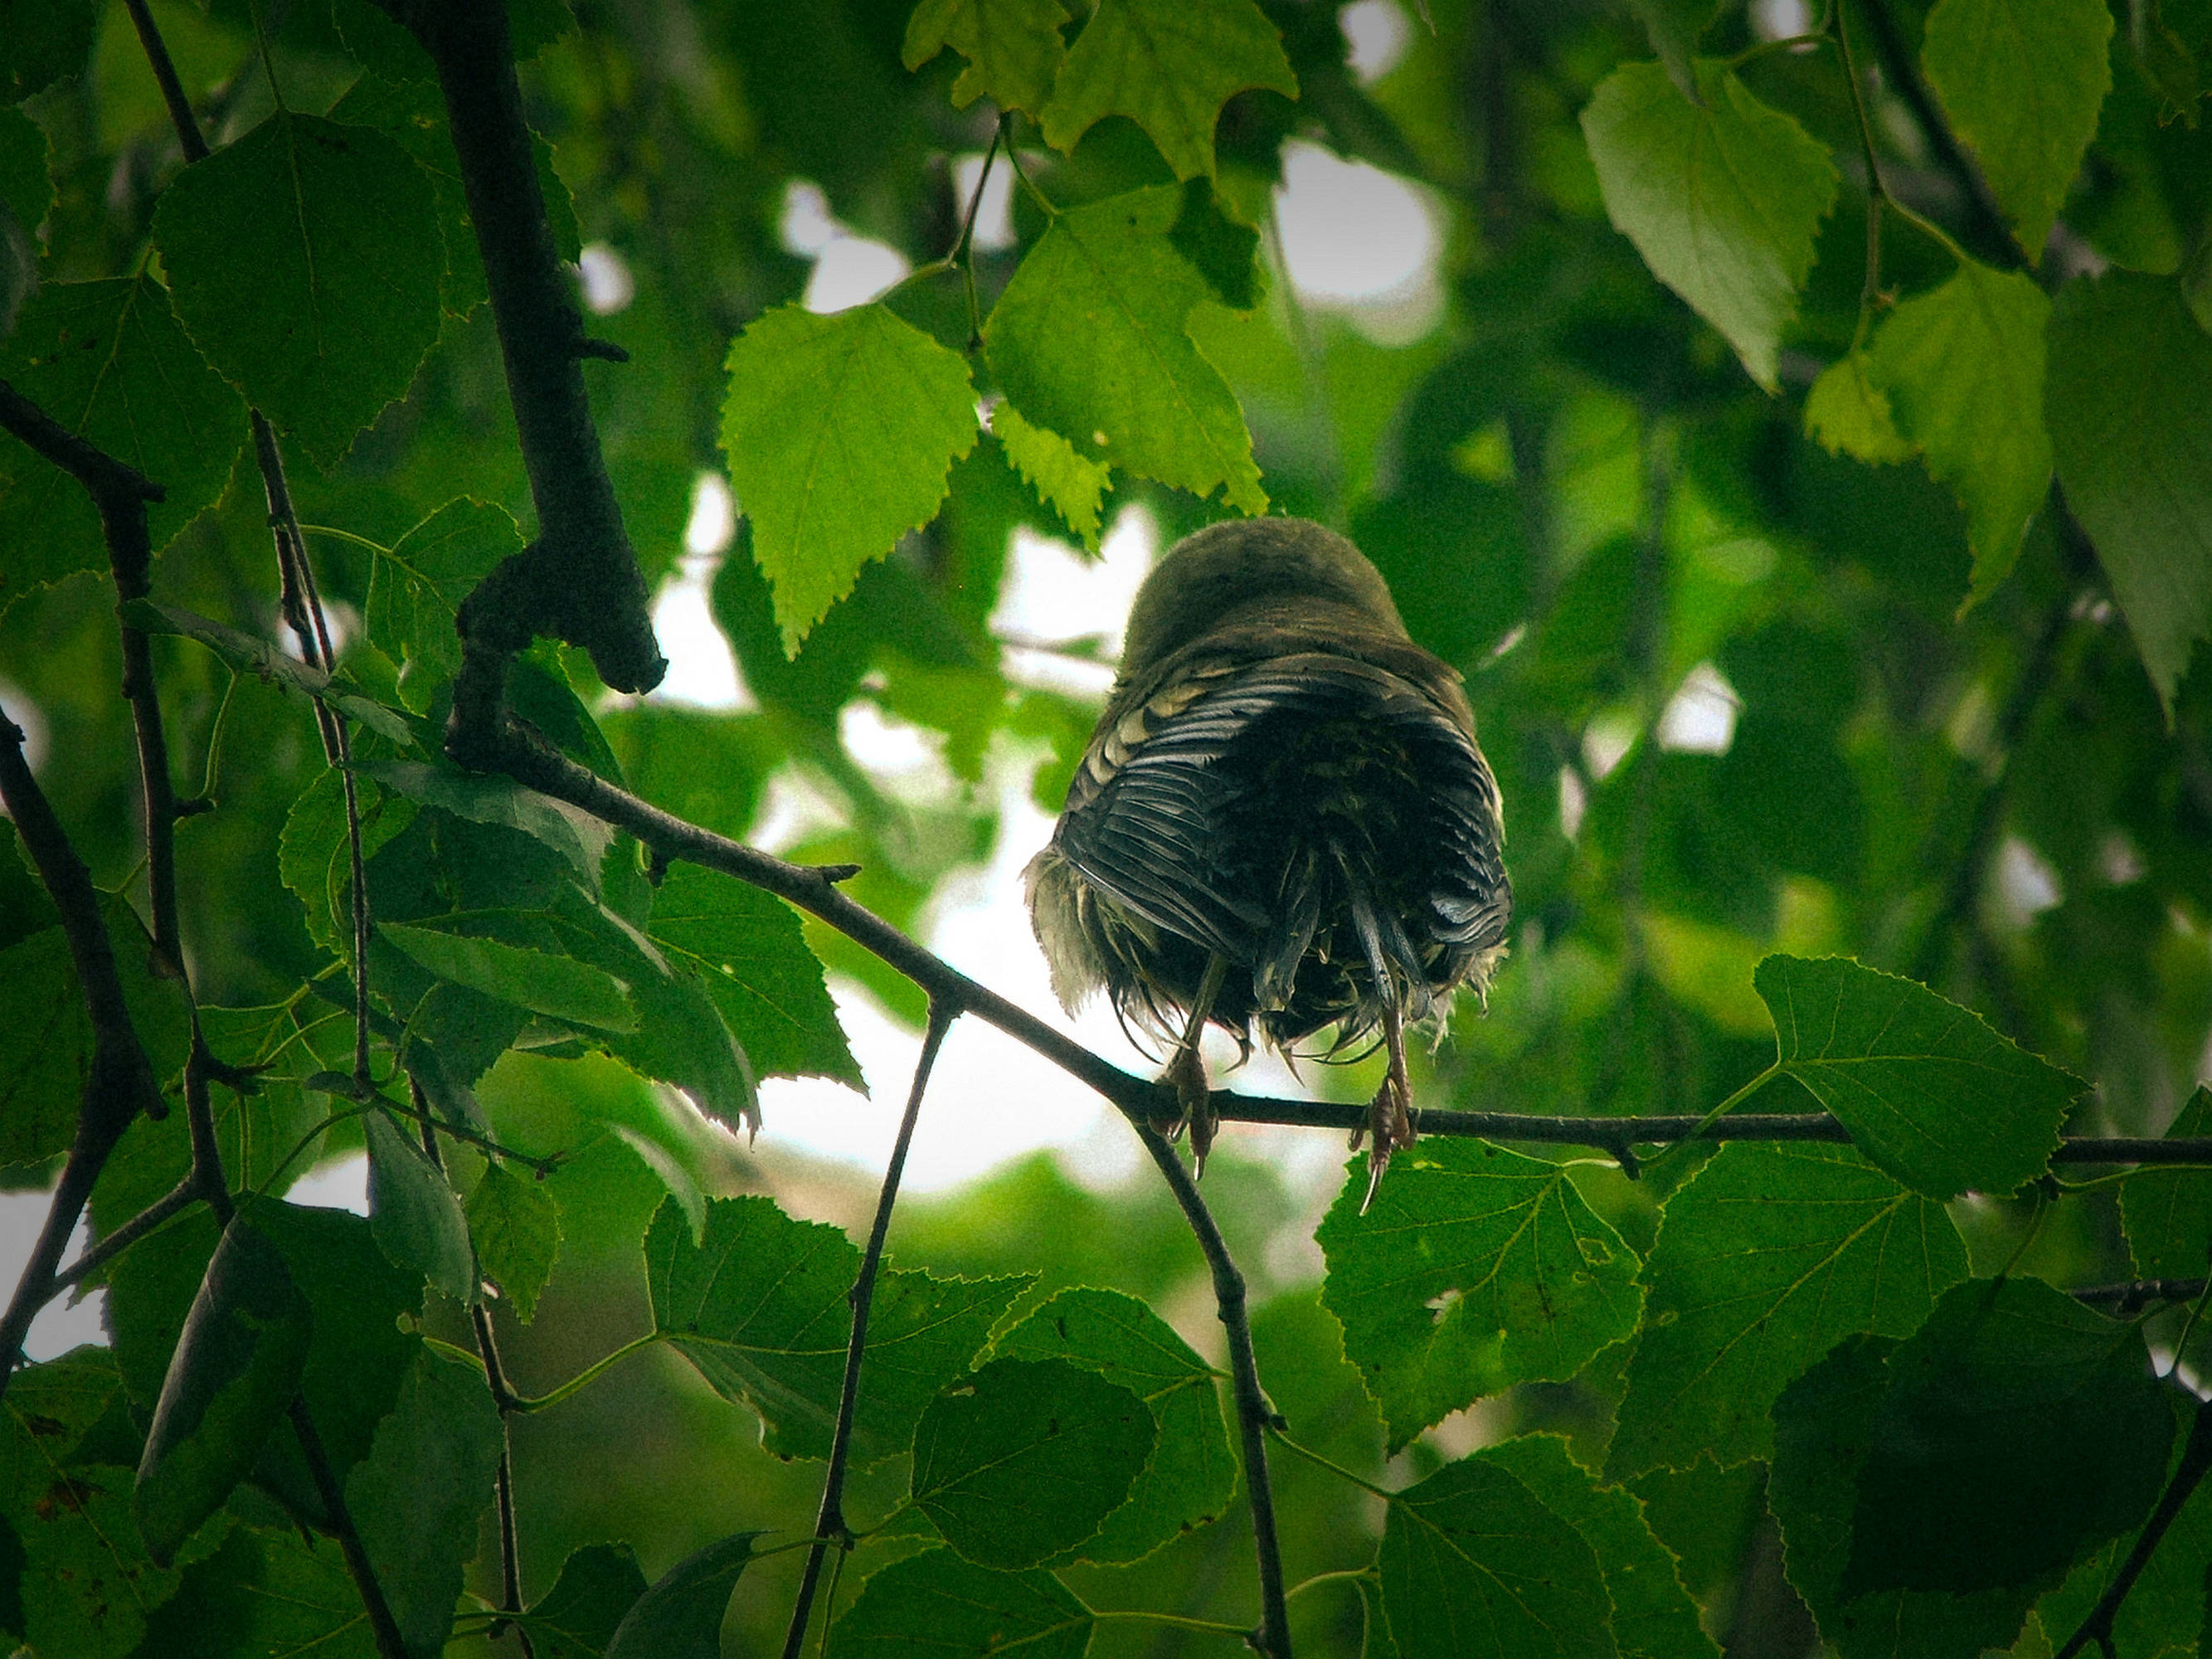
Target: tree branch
(830, 1523)
(2196, 1462)
(580, 579)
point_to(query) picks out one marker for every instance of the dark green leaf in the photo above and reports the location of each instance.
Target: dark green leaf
(557, 986)
(2010, 1392)
(937, 1604)
(1653, 1616)
(841, 433)
(681, 1616)
(1475, 1268)
(1823, 1426)
(1721, 197)
(2021, 83)
(306, 259)
(314, 857)
(27, 188)
(1768, 1258)
(747, 949)
(40, 42)
(413, 1213)
(237, 1366)
(759, 1307)
(417, 1496)
(303, 1601)
(577, 1619)
(416, 590)
(1013, 48)
(265, 662)
(487, 797)
(1474, 1566)
(1192, 1476)
(2130, 394)
(516, 1226)
(1025, 1458)
(1929, 1091)
(2168, 1212)
(108, 360)
(1168, 65)
(45, 1048)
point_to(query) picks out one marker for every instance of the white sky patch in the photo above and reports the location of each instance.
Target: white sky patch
(714, 521)
(1781, 19)
(1606, 743)
(340, 1184)
(58, 1327)
(703, 670)
(1377, 33)
(604, 277)
(848, 270)
(1052, 595)
(1359, 241)
(995, 214)
(32, 721)
(806, 227)
(1699, 719)
(1574, 802)
(2026, 885)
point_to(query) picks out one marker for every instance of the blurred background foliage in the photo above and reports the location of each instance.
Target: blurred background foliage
(1724, 675)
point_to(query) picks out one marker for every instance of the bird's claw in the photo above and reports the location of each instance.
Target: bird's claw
(1389, 1120)
(1194, 1100)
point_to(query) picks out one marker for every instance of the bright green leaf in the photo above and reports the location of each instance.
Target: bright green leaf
(413, 1213)
(1192, 1476)
(557, 986)
(1474, 1566)
(1025, 1458)
(681, 1616)
(1089, 340)
(1013, 48)
(1475, 1268)
(1071, 482)
(108, 360)
(2130, 393)
(841, 433)
(759, 1307)
(1672, 27)
(516, 1226)
(418, 1496)
(936, 1603)
(1962, 368)
(598, 1584)
(1847, 413)
(305, 260)
(2012, 1391)
(237, 1366)
(1929, 1091)
(1168, 65)
(415, 590)
(1722, 198)
(747, 949)
(1767, 1259)
(2021, 82)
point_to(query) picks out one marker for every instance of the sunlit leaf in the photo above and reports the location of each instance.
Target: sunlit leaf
(1012, 47)
(1070, 481)
(515, 1224)
(537, 980)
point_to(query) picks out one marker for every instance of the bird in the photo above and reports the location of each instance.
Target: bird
(1281, 824)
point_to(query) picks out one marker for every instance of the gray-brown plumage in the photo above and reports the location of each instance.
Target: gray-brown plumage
(1283, 822)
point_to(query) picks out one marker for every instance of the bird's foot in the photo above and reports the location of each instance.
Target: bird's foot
(1391, 1120)
(1195, 1102)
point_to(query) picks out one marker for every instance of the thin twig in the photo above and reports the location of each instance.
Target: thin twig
(390, 1644)
(830, 1521)
(2188, 1473)
(165, 75)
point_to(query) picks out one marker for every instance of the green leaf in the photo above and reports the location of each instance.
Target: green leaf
(1168, 65)
(1847, 413)
(1071, 483)
(1653, 1616)
(46, 1049)
(1765, 1260)
(598, 1584)
(1474, 1566)
(841, 432)
(748, 950)
(1192, 1477)
(1929, 1091)
(1823, 1423)
(1721, 197)
(265, 662)
(2130, 406)
(937, 1603)
(759, 1307)
(1089, 340)
(2012, 1391)
(413, 1213)
(488, 798)
(26, 187)
(108, 360)
(1013, 48)
(237, 1366)
(418, 1496)
(1025, 1458)
(41, 41)
(415, 590)
(301, 1600)
(681, 1616)
(2021, 82)
(1673, 26)
(314, 857)
(516, 1226)
(2168, 1214)
(557, 986)
(1475, 1268)
(305, 260)
(1962, 368)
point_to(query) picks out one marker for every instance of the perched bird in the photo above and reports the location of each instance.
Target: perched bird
(1282, 821)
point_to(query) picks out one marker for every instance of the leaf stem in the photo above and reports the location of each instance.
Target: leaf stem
(1179, 1621)
(1346, 1576)
(589, 1375)
(1698, 1130)
(1335, 1468)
